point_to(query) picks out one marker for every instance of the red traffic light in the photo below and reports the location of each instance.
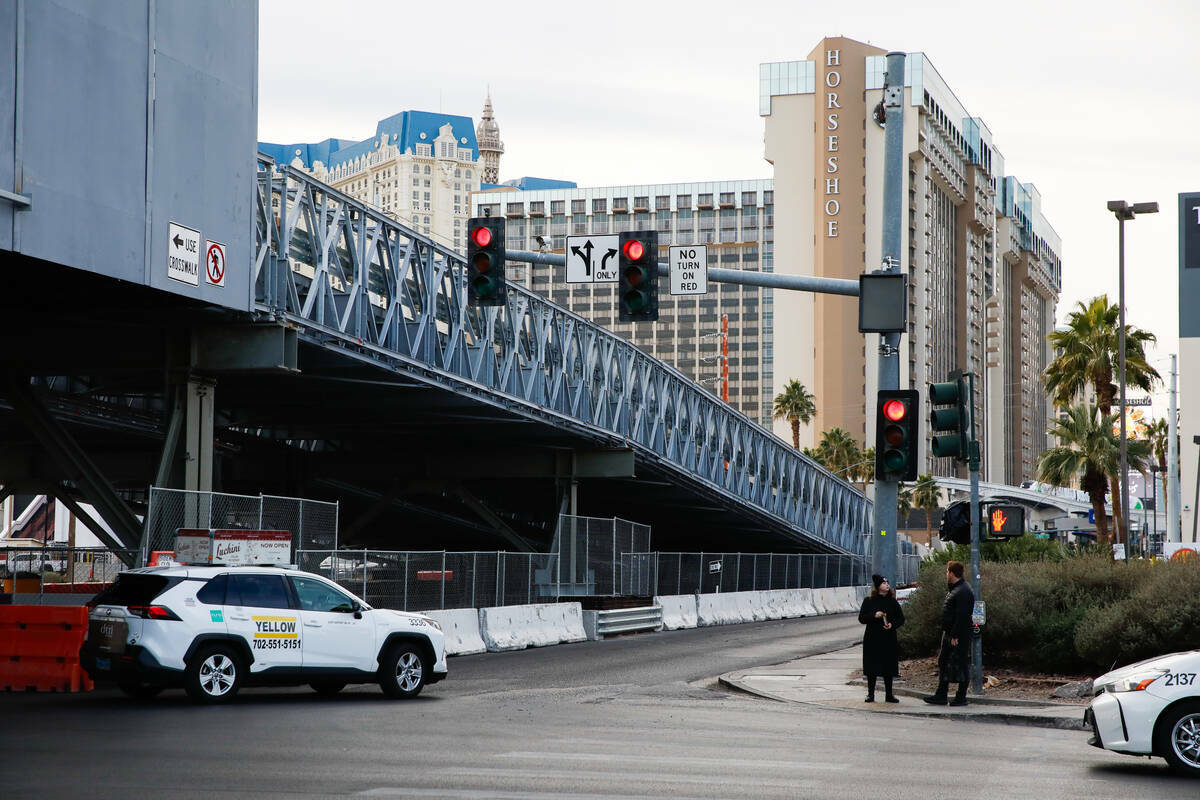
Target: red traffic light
(634, 250)
(482, 236)
(895, 410)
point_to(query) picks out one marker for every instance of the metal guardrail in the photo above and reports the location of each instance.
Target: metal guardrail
(598, 624)
(350, 278)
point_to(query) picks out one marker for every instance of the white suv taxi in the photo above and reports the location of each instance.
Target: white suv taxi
(213, 630)
(1150, 708)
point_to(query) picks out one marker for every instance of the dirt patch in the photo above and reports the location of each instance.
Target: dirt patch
(921, 674)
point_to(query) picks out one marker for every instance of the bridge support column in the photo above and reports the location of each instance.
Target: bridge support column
(198, 442)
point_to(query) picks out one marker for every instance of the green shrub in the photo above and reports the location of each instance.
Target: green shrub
(1078, 614)
(1160, 615)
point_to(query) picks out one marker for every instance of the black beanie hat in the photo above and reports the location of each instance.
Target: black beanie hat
(877, 579)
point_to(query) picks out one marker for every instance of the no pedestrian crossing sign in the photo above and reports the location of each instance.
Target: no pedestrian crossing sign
(689, 269)
(214, 263)
(592, 259)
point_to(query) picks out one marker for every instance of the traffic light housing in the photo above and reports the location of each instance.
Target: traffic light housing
(897, 418)
(485, 262)
(956, 523)
(638, 261)
(954, 422)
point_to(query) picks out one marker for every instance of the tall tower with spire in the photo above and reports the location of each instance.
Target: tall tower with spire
(490, 146)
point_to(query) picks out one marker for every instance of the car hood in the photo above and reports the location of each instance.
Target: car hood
(1158, 662)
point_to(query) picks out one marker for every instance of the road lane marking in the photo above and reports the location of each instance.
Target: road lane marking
(629, 757)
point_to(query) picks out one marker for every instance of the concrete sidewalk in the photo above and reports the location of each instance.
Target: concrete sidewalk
(825, 680)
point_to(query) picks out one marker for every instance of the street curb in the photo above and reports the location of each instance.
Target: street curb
(981, 699)
(733, 680)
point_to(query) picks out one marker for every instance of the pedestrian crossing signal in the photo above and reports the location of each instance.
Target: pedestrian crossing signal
(1005, 521)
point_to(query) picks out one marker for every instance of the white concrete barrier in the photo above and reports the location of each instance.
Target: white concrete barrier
(518, 627)
(797, 603)
(461, 629)
(678, 610)
(719, 609)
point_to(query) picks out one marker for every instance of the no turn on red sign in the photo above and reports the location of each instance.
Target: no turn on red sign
(214, 263)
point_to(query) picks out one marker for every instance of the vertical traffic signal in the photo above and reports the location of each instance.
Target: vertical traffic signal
(485, 261)
(953, 422)
(639, 276)
(896, 419)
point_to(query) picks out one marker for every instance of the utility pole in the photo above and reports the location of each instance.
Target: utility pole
(976, 578)
(883, 533)
(1173, 494)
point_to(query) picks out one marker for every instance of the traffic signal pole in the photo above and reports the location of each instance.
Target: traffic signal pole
(884, 536)
(976, 583)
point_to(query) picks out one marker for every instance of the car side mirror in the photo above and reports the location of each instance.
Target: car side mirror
(358, 609)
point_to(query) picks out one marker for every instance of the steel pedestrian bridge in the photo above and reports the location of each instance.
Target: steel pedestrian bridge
(359, 285)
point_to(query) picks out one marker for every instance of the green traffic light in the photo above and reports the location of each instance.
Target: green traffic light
(636, 300)
(948, 446)
(484, 286)
(894, 460)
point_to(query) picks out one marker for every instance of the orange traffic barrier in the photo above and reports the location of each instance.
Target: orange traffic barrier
(435, 575)
(39, 648)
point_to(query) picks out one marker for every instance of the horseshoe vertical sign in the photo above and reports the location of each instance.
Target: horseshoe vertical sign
(214, 263)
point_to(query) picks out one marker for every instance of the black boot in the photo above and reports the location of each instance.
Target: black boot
(938, 698)
(960, 697)
(888, 697)
(870, 689)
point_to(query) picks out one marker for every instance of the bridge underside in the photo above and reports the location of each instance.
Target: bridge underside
(414, 466)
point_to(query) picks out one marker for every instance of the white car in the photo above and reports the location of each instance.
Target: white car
(213, 630)
(1150, 708)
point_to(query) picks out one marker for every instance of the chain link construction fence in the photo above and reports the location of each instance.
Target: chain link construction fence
(591, 555)
(426, 581)
(312, 523)
(58, 574)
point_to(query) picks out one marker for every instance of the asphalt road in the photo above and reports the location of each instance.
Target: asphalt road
(631, 718)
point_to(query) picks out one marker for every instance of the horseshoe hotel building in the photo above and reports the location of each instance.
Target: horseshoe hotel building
(983, 263)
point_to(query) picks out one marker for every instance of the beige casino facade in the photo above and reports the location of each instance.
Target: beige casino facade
(983, 262)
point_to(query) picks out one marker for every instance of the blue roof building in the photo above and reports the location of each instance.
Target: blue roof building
(419, 168)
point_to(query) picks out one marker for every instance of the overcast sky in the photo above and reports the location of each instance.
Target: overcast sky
(1089, 101)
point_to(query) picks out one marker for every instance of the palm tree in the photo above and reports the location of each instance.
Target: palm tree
(1090, 451)
(1158, 431)
(1088, 352)
(904, 504)
(927, 496)
(796, 405)
(864, 473)
(838, 451)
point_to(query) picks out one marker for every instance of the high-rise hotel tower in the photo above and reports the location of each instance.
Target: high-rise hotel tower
(983, 263)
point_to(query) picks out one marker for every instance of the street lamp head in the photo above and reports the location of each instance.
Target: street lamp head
(1117, 205)
(1144, 208)
(1125, 211)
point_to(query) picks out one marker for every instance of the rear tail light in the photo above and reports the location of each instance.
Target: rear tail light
(152, 612)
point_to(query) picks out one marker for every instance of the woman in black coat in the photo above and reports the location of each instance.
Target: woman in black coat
(882, 615)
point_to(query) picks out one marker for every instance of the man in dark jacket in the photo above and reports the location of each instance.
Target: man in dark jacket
(954, 664)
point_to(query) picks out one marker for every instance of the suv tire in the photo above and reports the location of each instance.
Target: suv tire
(402, 671)
(1177, 738)
(214, 674)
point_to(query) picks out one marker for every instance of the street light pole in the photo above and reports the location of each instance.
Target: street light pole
(1123, 212)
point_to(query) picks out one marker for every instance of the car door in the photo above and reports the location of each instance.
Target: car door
(260, 610)
(335, 636)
